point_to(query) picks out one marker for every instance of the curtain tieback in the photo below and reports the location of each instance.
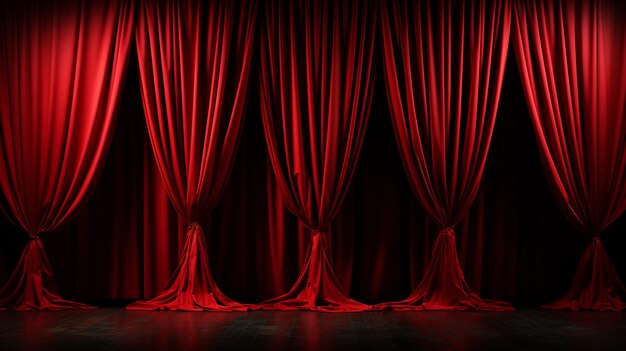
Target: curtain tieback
(448, 230)
(320, 232)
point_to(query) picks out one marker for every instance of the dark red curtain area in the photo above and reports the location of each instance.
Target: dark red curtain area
(571, 59)
(444, 65)
(62, 68)
(316, 86)
(194, 62)
(138, 234)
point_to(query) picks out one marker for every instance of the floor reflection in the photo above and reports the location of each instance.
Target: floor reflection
(115, 328)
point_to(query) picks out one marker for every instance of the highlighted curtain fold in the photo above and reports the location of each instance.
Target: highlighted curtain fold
(61, 69)
(316, 88)
(194, 63)
(571, 61)
(444, 64)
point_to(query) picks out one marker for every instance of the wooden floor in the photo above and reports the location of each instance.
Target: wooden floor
(115, 329)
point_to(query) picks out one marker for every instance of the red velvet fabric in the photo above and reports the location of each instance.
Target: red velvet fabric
(61, 69)
(194, 75)
(596, 285)
(444, 65)
(316, 88)
(126, 239)
(571, 59)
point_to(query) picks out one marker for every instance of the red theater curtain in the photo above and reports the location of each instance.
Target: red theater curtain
(444, 64)
(194, 61)
(61, 69)
(316, 87)
(571, 60)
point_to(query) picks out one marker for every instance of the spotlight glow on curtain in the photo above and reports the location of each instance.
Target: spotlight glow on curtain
(194, 61)
(316, 87)
(61, 69)
(444, 64)
(571, 60)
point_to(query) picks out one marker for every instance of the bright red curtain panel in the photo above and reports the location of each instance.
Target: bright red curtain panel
(444, 64)
(61, 70)
(194, 62)
(571, 60)
(316, 88)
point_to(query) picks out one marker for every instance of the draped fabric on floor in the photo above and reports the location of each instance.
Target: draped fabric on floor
(444, 65)
(571, 60)
(61, 71)
(194, 76)
(316, 88)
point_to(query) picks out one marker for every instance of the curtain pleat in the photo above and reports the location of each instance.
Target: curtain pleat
(571, 61)
(194, 63)
(444, 65)
(62, 67)
(316, 88)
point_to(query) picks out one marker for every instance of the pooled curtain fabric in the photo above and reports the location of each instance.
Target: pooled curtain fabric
(316, 87)
(444, 64)
(194, 63)
(571, 60)
(61, 71)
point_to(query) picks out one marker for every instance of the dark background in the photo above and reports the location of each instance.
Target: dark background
(123, 244)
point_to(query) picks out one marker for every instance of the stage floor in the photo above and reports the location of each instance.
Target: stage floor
(115, 329)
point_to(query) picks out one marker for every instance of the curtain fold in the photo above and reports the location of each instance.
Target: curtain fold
(194, 63)
(62, 66)
(571, 61)
(444, 65)
(316, 87)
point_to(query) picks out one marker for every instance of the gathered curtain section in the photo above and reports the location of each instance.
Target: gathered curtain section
(444, 64)
(571, 60)
(62, 67)
(316, 88)
(194, 63)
